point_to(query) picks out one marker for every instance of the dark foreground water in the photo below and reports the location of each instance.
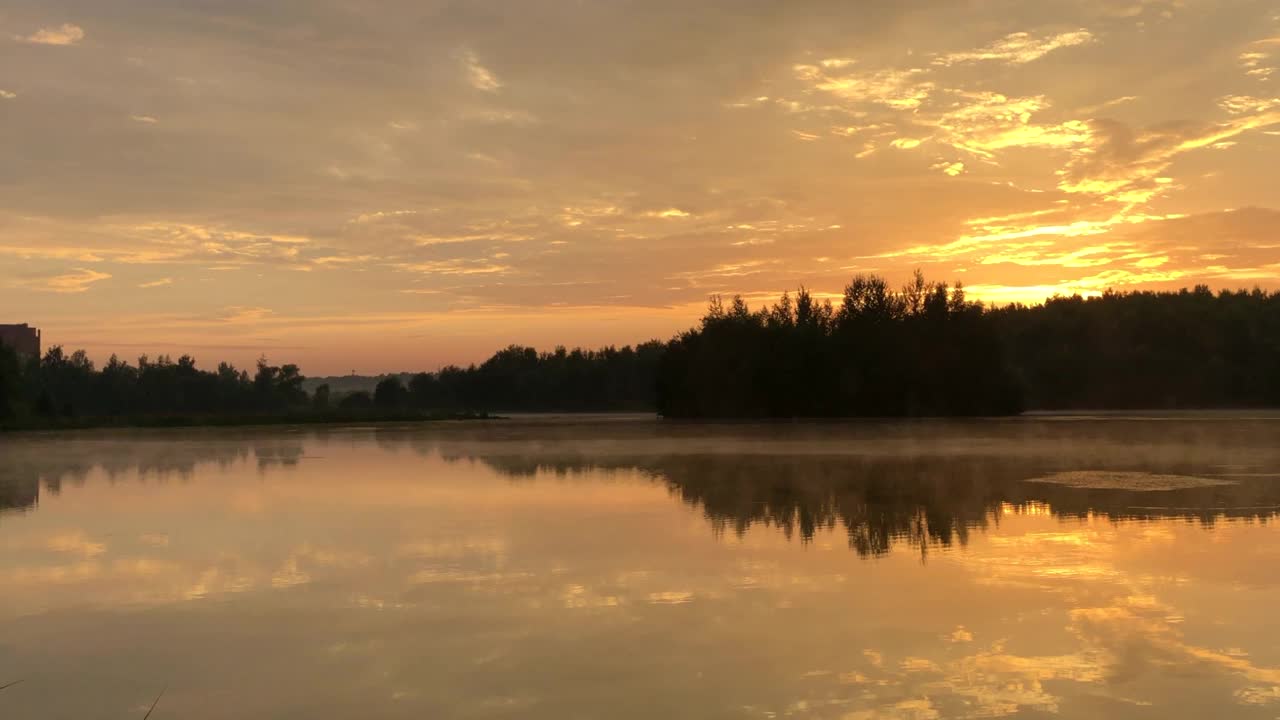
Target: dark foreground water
(629, 569)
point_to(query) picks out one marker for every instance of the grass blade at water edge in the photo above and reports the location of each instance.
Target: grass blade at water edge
(155, 702)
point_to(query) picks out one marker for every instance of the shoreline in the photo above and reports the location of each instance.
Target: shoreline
(554, 417)
(234, 421)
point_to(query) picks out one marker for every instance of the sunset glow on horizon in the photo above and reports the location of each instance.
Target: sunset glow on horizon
(394, 185)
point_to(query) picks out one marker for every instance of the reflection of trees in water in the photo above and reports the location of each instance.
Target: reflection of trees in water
(48, 465)
(921, 485)
(879, 502)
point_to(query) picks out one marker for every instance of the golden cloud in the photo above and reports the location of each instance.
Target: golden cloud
(983, 123)
(66, 34)
(479, 76)
(1118, 158)
(898, 89)
(1018, 48)
(76, 281)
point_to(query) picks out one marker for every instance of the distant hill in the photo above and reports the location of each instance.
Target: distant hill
(346, 384)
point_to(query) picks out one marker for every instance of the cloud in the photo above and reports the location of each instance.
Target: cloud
(517, 118)
(1119, 161)
(478, 266)
(669, 213)
(487, 166)
(1018, 48)
(239, 315)
(1252, 64)
(66, 34)
(356, 260)
(7, 95)
(144, 119)
(1124, 250)
(1128, 251)
(162, 282)
(128, 241)
(998, 238)
(479, 76)
(190, 242)
(1242, 104)
(428, 240)
(76, 281)
(983, 123)
(380, 215)
(898, 89)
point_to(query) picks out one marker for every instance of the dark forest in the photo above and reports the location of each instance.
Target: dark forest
(921, 350)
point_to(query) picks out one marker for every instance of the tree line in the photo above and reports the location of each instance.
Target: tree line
(923, 349)
(521, 379)
(1184, 349)
(61, 385)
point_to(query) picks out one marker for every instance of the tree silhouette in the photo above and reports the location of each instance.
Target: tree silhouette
(10, 383)
(390, 394)
(922, 350)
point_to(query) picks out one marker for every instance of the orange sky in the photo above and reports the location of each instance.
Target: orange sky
(398, 184)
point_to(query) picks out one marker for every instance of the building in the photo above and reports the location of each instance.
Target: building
(23, 339)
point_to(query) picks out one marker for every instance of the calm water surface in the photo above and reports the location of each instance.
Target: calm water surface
(622, 568)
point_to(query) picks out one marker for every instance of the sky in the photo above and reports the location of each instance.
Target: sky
(379, 185)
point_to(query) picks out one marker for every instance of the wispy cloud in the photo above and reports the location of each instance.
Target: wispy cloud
(7, 95)
(76, 281)
(518, 118)
(1242, 104)
(238, 315)
(1254, 65)
(477, 266)
(144, 119)
(898, 89)
(1018, 48)
(1122, 163)
(669, 214)
(185, 242)
(342, 260)
(152, 242)
(380, 215)
(479, 76)
(66, 34)
(984, 123)
(162, 282)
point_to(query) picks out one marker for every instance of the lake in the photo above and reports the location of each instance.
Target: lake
(611, 567)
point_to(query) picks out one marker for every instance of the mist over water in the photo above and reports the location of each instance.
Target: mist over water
(621, 567)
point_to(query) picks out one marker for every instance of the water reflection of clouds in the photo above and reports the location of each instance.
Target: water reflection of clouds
(1060, 604)
(1125, 634)
(76, 543)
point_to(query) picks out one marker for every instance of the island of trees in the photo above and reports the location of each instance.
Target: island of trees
(921, 350)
